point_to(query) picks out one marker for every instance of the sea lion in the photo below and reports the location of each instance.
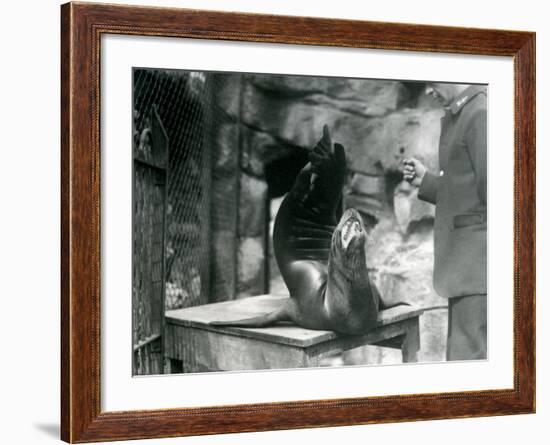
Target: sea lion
(322, 263)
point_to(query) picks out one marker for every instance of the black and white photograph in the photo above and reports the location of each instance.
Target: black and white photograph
(284, 221)
(242, 222)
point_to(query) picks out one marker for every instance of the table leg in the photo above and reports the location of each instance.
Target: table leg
(173, 366)
(411, 342)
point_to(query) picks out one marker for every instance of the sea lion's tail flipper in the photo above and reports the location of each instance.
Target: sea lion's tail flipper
(260, 321)
(384, 306)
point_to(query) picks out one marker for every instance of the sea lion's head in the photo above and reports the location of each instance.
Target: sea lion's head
(349, 240)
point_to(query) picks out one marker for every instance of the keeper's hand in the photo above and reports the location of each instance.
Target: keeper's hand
(413, 171)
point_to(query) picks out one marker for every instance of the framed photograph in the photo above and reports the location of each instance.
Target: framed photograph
(274, 222)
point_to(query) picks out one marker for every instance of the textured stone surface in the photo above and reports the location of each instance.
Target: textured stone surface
(176, 297)
(250, 267)
(358, 96)
(367, 185)
(227, 96)
(224, 209)
(408, 209)
(367, 194)
(225, 174)
(291, 86)
(372, 138)
(372, 355)
(223, 266)
(252, 206)
(403, 264)
(293, 121)
(186, 279)
(280, 107)
(259, 148)
(385, 142)
(224, 205)
(226, 142)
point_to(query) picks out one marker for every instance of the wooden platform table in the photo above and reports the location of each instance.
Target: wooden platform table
(193, 345)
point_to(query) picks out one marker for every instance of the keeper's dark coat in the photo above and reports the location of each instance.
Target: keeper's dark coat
(459, 192)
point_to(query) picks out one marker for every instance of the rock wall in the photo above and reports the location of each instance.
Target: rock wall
(265, 126)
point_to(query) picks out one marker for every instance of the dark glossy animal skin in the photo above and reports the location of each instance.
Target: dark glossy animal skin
(322, 263)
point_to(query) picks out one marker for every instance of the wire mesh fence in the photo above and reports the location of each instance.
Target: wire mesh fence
(183, 102)
(179, 106)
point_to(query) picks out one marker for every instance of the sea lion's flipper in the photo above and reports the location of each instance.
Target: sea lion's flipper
(384, 306)
(329, 170)
(307, 217)
(261, 321)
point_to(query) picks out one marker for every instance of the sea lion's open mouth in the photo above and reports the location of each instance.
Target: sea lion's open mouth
(351, 228)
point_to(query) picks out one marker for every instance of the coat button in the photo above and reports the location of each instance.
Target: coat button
(441, 173)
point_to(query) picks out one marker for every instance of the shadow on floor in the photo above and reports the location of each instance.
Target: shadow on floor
(50, 429)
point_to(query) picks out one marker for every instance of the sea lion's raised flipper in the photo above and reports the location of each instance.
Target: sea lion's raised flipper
(329, 170)
(261, 321)
(307, 217)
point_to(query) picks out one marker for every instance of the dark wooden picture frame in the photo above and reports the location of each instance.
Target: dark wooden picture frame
(82, 26)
